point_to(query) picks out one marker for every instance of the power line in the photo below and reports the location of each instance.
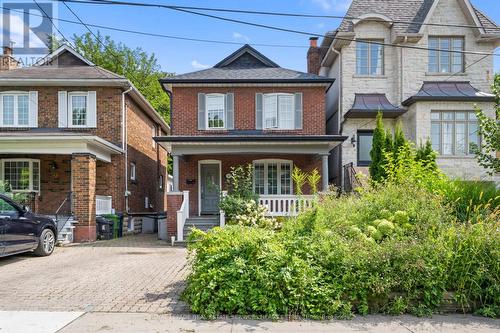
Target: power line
(257, 12)
(51, 21)
(151, 34)
(306, 33)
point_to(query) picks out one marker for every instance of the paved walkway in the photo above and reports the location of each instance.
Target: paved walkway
(131, 274)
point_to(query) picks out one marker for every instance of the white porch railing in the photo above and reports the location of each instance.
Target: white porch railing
(182, 215)
(285, 205)
(222, 215)
(103, 205)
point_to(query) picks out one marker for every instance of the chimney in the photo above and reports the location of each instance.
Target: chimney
(313, 56)
(7, 61)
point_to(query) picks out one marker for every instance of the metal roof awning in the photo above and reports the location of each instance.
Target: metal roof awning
(245, 144)
(459, 91)
(368, 105)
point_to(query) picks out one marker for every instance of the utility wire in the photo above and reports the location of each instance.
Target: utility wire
(309, 33)
(257, 12)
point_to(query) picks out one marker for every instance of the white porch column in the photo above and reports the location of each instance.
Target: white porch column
(324, 172)
(175, 171)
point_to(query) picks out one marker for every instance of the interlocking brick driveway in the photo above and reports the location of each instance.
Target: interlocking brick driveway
(131, 274)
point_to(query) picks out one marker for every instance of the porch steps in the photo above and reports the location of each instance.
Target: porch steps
(204, 223)
(65, 228)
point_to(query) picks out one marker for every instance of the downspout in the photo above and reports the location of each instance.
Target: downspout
(124, 144)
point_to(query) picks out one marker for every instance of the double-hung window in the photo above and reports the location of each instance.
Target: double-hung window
(14, 110)
(215, 111)
(441, 59)
(369, 57)
(273, 177)
(453, 132)
(21, 175)
(279, 111)
(78, 108)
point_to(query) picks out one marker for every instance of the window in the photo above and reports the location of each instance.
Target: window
(369, 58)
(443, 61)
(453, 132)
(78, 109)
(132, 172)
(215, 110)
(15, 110)
(279, 111)
(365, 140)
(7, 209)
(273, 177)
(153, 134)
(162, 182)
(22, 175)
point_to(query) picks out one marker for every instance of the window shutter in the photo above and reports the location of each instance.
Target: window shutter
(33, 109)
(298, 110)
(91, 109)
(230, 111)
(258, 110)
(201, 111)
(62, 105)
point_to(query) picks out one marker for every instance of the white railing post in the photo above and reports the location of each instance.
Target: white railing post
(182, 216)
(222, 216)
(285, 205)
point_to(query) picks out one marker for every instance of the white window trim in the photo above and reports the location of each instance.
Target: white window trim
(30, 160)
(276, 96)
(161, 180)
(16, 112)
(224, 114)
(70, 108)
(279, 162)
(133, 171)
(453, 121)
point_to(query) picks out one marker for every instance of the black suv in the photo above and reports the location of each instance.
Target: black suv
(23, 231)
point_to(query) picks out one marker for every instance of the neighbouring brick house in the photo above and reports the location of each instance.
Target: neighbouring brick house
(246, 109)
(433, 92)
(72, 133)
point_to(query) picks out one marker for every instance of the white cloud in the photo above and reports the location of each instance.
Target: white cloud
(239, 36)
(197, 65)
(333, 5)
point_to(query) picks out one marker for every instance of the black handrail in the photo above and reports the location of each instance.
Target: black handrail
(69, 214)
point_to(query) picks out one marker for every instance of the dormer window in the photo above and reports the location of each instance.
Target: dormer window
(369, 57)
(446, 62)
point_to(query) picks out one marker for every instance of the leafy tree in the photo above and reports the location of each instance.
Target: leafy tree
(389, 143)
(427, 156)
(376, 154)
(141, 68)
(399, 138)
(489, 129)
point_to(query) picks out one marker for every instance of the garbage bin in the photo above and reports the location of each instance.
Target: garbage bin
(115, 223)
(104, 228)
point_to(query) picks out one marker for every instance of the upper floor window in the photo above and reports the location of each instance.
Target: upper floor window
(279, 111)
(215, 111)
(15, 110)
(133, 175)
(78, 109)
(22, 175)
(453, 132)
(369, 57)
(444, 61)
(153, 134)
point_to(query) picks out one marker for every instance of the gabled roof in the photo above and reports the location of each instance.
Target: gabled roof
(52, 57)
(413, 11)
(449, 91)
(246, 65)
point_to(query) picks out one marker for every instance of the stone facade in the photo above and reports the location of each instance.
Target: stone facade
(405, 70)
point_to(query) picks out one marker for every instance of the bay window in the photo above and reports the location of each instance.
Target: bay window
(14, 110)
(453, 132)
(22, 175)
(273, 177)
(441, 60)
(278, 112)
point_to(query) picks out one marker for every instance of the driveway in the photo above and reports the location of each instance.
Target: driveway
(130, 274)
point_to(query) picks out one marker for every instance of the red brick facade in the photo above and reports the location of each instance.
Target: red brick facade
(83, 171)
(185, 114)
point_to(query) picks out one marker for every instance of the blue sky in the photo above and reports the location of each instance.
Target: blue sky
(184, 56)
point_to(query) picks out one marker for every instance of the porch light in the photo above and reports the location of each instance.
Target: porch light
(353, 140)
(53, 166)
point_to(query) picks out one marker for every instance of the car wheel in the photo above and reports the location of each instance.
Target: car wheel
(46, 243)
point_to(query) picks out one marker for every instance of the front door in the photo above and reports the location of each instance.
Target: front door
(209, 188)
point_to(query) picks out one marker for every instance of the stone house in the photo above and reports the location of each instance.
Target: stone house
(388, 55)
(76, 136)
(244, 110)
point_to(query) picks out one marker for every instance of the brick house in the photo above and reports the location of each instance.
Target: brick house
(433, 92)
(75, 135)
(244, 110)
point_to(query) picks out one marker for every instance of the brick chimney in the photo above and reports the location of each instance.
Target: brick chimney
(7, 61)
(313, 56)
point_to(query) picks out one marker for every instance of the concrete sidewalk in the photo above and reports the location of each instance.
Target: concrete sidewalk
(144, 322)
